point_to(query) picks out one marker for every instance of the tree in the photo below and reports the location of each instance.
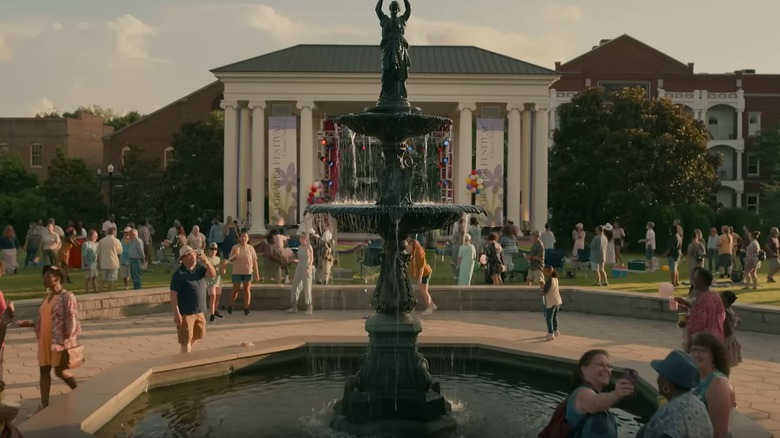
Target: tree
(113, 118)
(13, 176)
(620, 153)
(194, 180)
(26, 206)
(75, 189)
(766, 146)
(140, 197)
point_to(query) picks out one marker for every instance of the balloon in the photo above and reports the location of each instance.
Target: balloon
(318, 184)
(473, 172)
(468, 180)
(665, 268)
(481, 186)
(666, 290)
(468, 186)
(473, 190)
(318, 194)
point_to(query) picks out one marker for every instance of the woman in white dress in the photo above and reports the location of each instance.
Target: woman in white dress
(467, 256)
(608, 228)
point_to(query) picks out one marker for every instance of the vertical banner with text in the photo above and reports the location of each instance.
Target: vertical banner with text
(283, 169)
(490, 159)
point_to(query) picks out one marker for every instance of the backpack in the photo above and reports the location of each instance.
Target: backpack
(558, 427)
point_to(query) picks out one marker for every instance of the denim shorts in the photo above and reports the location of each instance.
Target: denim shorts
(649, 253)
(242, 278)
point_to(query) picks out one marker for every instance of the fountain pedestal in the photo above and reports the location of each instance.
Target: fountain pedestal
(394, 390)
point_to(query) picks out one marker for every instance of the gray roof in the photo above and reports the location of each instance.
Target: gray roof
(314, 58)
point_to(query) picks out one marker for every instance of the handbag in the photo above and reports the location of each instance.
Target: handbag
(501, 268)
(73, 357)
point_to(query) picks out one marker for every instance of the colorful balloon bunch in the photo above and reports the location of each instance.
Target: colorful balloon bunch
(475, 182)
(317, 193)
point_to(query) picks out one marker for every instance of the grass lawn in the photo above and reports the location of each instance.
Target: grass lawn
(28, 284)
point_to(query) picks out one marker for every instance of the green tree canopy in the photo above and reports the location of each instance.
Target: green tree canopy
(13, 176)
(74, 189)
(766, 146)
(619, 153)
(116, 119)
(194, 180)
(140, 197)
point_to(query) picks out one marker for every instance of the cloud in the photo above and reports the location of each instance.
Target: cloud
(42, 105)
(563, 13)
(15, 31)
(132, 37)
(538, 49)
(56, 25)
(283, 28)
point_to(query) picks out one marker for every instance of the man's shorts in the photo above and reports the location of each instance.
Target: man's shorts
(109, 274)
(535, 276)
(192, 328)
(90, 273)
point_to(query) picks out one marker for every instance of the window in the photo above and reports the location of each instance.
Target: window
(751, 202)
(754, 124)
(712, 120)
(753, 165)
(36, 155)
(125, 150)
(168, 157)
(3, 148)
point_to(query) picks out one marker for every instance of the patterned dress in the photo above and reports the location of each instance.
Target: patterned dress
(683, 416)
(58, 324)
(733, 346)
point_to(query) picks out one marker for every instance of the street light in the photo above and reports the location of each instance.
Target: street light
(110, 185)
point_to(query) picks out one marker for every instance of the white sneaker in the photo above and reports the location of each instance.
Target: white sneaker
(309, 310)
(549, 337)
(292, 310)
(428, 311)
(556, 333)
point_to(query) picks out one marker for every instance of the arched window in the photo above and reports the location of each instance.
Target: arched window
(168, 157)
(125, 150)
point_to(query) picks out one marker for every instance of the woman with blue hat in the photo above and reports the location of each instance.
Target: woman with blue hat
(684, 416)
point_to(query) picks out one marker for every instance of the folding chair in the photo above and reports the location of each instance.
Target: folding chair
(583, 258)
(555, 258)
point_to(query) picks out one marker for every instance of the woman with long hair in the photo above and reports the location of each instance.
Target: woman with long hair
(9, 244)
(57, 328)
(495, 263)
(618, 239)
(244, 259)
(420, 273)
(751, 262)
(551, 298)
(715, 389)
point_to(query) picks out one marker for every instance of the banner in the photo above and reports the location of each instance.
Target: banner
(283, 169)
(490, 160)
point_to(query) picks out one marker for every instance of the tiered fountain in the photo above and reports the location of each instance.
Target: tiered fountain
(394, 391)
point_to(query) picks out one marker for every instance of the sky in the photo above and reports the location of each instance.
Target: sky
(144, 54)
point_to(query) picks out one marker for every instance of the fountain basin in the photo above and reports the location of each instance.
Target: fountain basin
(393, 126)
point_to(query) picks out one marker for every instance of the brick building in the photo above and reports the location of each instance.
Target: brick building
(155, 131)
(734, 106)
(37, 139)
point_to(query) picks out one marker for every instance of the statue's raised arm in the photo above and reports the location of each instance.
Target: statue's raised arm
(381, 15)
(407, 10)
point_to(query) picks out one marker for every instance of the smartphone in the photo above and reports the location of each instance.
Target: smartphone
(631, 374)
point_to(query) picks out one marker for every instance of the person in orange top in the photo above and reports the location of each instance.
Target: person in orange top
(420, 272)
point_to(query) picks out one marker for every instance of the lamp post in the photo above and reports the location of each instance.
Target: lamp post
(110, 185)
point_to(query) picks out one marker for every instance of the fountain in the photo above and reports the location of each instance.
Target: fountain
(394, 391)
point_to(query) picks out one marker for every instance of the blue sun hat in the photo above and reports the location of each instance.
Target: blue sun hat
(678, 368)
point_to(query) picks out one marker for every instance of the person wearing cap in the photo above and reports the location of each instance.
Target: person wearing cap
(578, 236)
(684, 416)
(214, 284)
(57, 328)
(108, 251)
(536, 260)
(608, 233)
(188, 296)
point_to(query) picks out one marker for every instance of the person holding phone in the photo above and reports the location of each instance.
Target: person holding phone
(188, 297)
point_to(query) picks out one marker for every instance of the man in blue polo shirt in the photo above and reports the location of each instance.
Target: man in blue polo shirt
(188, 296)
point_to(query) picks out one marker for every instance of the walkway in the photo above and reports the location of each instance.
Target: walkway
(109, 342)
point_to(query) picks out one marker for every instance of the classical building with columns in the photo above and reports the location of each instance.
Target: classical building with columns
(733, 105)
(277, 104)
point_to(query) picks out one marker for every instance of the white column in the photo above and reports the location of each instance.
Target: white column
(739, 165)
(739, 124)
(306, 157)
(553, 122)
(525, 166)
(257, 183)
(464, 148)
(740, 194)
(539, 186)
(230, 191)
(244, 161)
(513, 161)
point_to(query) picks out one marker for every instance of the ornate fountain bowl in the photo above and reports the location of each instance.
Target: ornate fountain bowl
(394, 127)
(411, 219)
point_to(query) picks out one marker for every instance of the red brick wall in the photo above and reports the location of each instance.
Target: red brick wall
(85, 139)
(155, 132)
(20, 133)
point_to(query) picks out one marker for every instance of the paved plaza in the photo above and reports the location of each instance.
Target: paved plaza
(110, 342)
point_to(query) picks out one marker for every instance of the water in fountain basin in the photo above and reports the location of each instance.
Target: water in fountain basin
(297, 401)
